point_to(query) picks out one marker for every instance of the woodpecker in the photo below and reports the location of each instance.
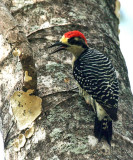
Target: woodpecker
(97, 81)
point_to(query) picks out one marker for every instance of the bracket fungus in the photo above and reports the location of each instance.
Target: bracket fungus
(16, 52)
(19, 142)
(29, 132)
(25, 107)
(27, 77)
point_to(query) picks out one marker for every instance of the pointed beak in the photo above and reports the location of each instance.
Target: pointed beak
(60, 45)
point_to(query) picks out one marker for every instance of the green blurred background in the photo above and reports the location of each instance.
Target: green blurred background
(126, 35)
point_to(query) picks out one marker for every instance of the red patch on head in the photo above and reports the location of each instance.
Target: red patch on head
(71, 34)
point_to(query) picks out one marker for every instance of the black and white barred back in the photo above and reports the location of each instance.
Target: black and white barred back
(96, 75)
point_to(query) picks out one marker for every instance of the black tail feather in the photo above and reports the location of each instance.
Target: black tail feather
(103, 128)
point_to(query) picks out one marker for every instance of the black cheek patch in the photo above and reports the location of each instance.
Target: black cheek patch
(78, 42)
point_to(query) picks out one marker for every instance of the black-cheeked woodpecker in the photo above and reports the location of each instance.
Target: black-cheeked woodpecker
(97, 81)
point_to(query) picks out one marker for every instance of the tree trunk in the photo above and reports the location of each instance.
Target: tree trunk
(64, 130)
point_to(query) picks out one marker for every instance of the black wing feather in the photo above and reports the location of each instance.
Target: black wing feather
(96, 75)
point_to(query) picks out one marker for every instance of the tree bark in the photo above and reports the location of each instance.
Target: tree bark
(64, 130)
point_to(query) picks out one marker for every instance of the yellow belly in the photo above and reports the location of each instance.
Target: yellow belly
(98, 109)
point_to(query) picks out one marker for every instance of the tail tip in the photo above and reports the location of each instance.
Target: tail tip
(103, 128)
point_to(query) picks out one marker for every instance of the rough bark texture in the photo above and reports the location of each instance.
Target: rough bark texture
(13, 34)
(64, 131)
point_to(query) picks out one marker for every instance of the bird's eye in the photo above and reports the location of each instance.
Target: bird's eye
(71, 40)
(78, 41)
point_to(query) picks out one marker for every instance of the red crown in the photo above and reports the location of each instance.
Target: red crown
(71, 34)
